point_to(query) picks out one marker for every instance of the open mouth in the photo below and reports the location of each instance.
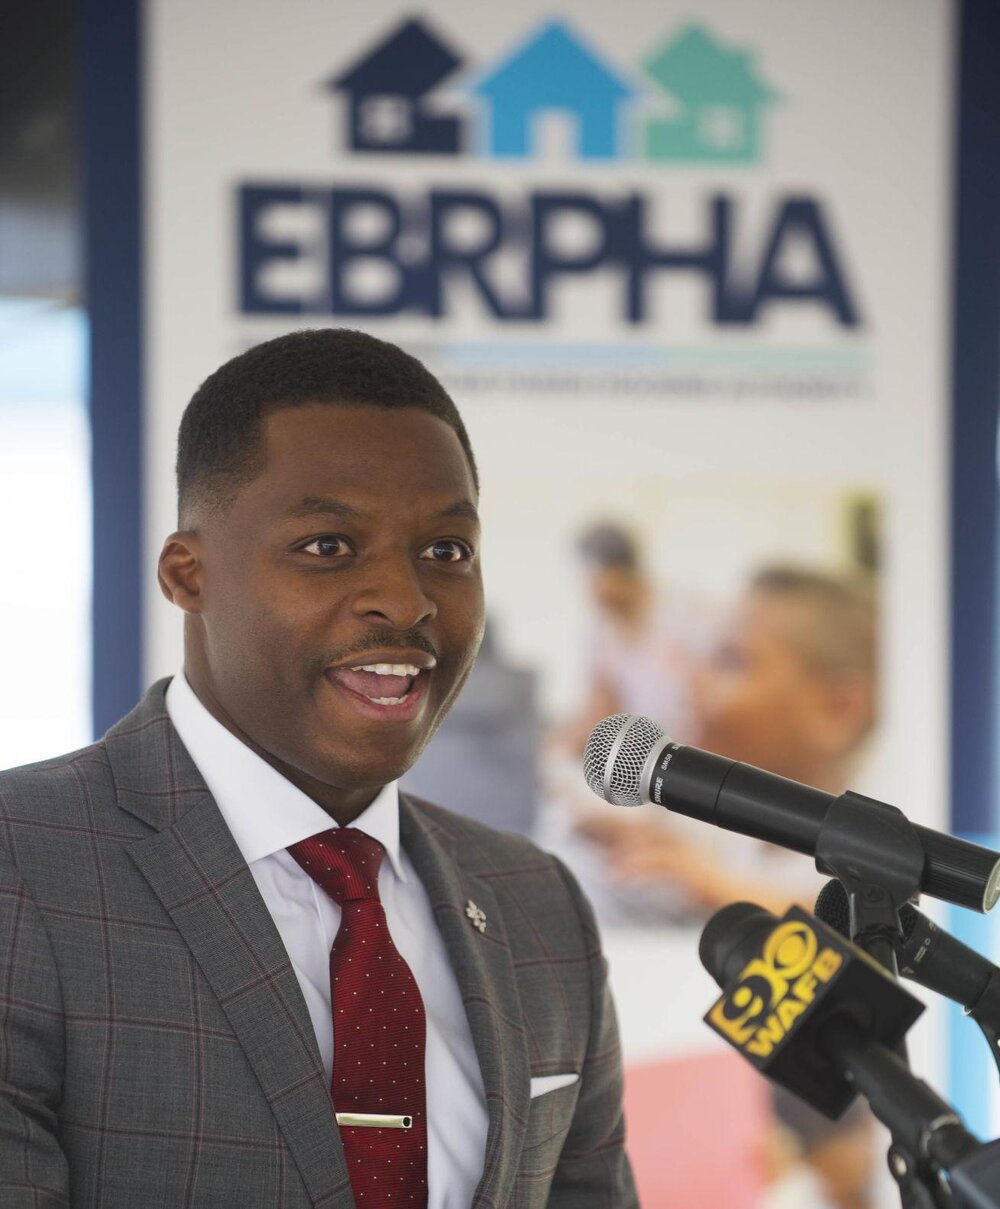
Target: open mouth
(383, 690)
(381, 683)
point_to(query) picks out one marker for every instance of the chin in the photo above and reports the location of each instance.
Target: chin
(358, 773)
(357, 759)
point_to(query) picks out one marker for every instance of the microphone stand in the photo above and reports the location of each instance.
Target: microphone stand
(986, 1013)
(934, 1160)
(875, 853)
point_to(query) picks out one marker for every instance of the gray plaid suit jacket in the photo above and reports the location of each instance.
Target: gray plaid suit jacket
(155, 1049)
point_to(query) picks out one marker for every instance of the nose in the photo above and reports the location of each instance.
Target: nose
(392, 593)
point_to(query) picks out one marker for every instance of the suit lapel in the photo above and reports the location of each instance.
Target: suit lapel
(484, 970)
(195, 869)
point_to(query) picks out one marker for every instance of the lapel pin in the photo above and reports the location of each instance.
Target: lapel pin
(476, 917)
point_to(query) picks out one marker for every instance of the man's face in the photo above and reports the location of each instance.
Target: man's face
(356, 547)
(756, 700)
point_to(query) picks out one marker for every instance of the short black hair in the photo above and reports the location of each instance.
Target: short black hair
(609, 546)
(219, 442)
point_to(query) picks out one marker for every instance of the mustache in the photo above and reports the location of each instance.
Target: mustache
(387, 640)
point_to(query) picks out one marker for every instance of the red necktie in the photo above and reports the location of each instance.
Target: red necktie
(379, 1027)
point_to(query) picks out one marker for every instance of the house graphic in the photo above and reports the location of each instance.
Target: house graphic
(553, 72)
(719, 97)
(386, 90)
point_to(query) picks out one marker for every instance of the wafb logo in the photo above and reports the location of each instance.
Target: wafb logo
(715, 95)
(379, 249)
(775, 990)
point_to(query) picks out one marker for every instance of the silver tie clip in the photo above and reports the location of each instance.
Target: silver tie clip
(374, 1120)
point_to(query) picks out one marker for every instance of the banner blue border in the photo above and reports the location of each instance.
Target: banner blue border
(975, 592)
(975, 386)
(110, 57)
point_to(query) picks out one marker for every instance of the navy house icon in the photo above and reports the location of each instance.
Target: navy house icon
(386, 90)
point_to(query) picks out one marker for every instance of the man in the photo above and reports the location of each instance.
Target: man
(241, 970)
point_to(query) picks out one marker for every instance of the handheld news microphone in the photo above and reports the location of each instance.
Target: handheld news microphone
(629, 761)
(929, 955)
(783, 981)
(818, 1016)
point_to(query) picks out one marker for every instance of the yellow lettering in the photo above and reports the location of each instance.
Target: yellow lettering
(768, 1036)
(827, 964)
(789, 1010)
(783, 982)
(790, 948)
(735, 1015)
(805, 987)
(777, 986)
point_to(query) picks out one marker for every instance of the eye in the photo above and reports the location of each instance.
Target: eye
(447, 550)
(328, 546)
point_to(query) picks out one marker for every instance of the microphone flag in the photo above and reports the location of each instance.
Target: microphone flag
(783, 981)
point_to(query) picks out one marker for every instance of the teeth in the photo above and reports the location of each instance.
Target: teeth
(389, 669)
(387, 700)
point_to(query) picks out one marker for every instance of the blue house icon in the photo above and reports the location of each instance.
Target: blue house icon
(386, 91)
(553, 72)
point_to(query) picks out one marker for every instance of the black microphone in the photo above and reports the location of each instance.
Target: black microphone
(783, 982)
(818, 1016)
(629, 761)
(929, 955)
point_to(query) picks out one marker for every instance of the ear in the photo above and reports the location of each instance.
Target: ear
(180, 572)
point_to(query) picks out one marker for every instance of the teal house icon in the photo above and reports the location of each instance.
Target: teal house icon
(553, 72)
(718, 100)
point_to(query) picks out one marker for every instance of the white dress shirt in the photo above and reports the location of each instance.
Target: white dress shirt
(266, 813)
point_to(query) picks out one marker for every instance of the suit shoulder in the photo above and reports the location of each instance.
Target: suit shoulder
(482, 844)
(50, 788)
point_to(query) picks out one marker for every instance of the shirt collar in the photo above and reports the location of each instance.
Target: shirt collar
(264, 811)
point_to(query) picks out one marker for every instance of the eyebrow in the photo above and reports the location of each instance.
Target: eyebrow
(462, 508)
(313, 505)
(324, 505)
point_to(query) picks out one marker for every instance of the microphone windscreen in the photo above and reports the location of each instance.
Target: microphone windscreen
(729, 935)
(833, 909)
(615, 755)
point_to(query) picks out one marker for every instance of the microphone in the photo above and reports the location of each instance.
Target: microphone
(629, 761)
(819, 1016)
(783, 981)
(929, 955)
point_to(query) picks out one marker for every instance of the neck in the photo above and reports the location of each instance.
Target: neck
(342, 805)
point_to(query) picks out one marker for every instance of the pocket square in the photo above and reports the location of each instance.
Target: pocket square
(540, 1084)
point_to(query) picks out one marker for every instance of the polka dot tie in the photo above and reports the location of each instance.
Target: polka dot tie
(379, 1027)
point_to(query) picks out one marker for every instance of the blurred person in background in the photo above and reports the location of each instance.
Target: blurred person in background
(483, 759)
(645, 638)
(644, 641)
(791, 687)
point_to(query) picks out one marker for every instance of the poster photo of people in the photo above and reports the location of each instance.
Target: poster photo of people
(762, 647)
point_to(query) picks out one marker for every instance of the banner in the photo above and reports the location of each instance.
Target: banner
(684, 270)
